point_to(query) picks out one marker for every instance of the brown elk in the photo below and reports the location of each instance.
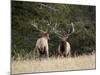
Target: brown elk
(42, 42)
(64, 48)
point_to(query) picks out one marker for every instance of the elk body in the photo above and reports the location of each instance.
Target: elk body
(64, 48)
(42, 45)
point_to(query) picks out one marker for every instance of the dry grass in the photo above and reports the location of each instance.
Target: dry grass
(54, 64)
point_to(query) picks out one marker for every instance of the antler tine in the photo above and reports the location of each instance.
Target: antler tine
(36, 27)
(72, 30)
(49, 27)
(56, 31)
(73, 27)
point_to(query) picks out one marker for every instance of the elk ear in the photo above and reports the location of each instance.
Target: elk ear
(66, 37)
(47, 33)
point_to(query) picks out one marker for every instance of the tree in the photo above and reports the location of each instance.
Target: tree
(24, 35)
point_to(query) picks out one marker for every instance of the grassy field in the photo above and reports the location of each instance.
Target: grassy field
(54, 64)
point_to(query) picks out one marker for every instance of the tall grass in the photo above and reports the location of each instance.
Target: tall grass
(53, 64)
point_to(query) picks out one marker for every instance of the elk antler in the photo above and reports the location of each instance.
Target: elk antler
(39, 28)
(61, 34)
(54, 29)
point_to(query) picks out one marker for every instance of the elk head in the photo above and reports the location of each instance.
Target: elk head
(45, 35)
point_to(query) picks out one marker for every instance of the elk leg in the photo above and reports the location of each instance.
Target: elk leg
(46, 51)
(64, 54)
(59, 51)
(41, 52)
(69, 54)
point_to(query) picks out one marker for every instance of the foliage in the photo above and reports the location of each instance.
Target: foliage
(24, 35)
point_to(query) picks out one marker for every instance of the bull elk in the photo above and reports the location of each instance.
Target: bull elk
(64, 48)
(42, 42)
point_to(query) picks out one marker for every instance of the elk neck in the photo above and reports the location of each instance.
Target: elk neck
(64, 39)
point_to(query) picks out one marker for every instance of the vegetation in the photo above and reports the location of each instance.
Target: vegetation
(24, 35)
(54, 64)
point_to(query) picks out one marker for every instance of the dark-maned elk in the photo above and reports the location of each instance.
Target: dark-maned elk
(64, 48)
(42, 42)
